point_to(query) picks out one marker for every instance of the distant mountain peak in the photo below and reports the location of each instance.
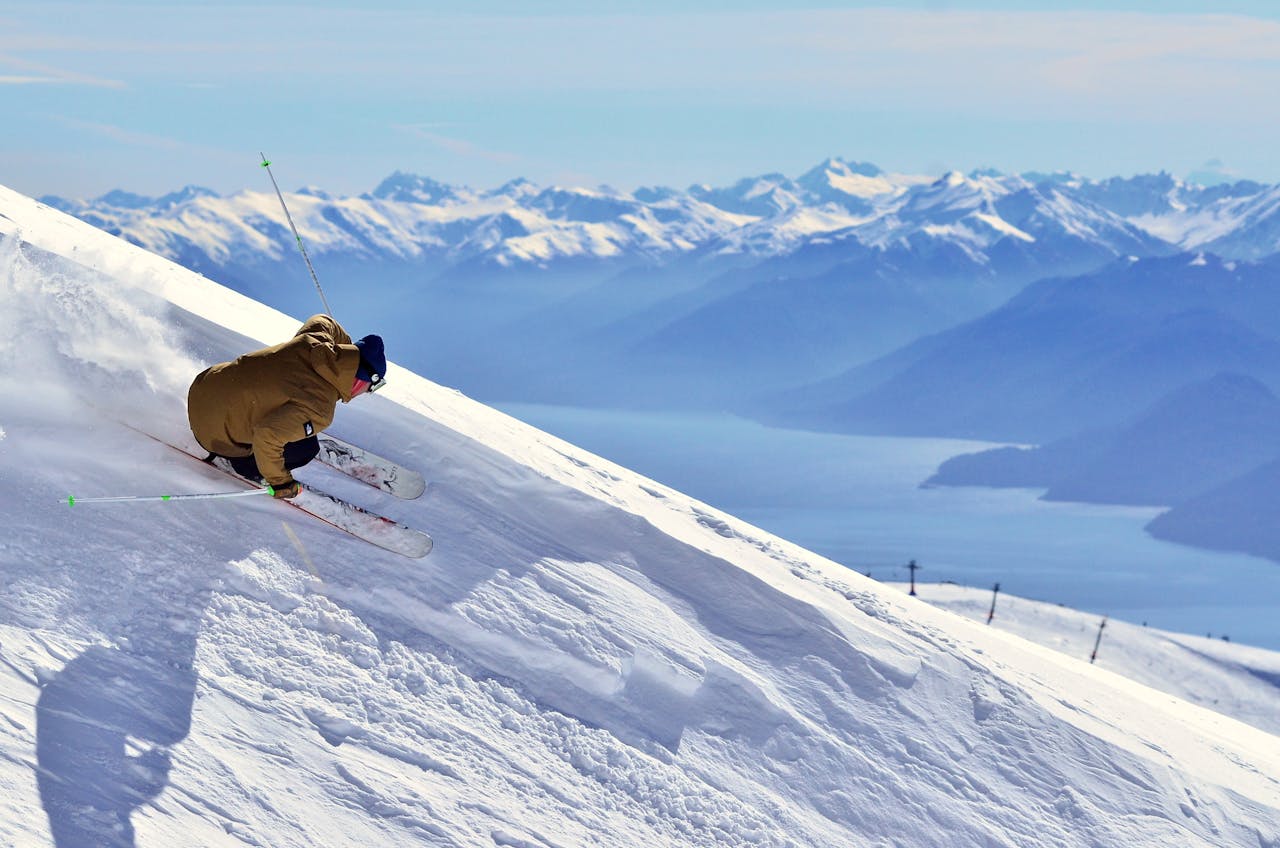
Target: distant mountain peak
(843, 167)
(1230, 385)
(121, 199)
(185, 194)
(412, 188)
(1069, 179)
(850, 184)
(765, 195)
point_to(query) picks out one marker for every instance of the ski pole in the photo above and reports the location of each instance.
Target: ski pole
(72, 500)
(289, 218)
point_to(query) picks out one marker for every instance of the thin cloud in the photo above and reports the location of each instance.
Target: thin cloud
(1109, 56)
(148, 141)
(38, 74)
(457, 146)
(124, 136)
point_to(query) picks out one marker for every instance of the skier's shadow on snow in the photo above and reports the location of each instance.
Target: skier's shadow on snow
(103, 728)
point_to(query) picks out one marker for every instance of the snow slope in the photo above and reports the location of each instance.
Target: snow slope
(1237, 680)
(587, 657)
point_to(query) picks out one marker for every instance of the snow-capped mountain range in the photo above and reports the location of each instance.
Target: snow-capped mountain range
(586, 658)
(411, 217)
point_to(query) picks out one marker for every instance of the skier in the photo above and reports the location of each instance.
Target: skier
(263, 411)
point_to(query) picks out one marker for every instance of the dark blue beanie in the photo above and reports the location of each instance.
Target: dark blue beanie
(373, 362)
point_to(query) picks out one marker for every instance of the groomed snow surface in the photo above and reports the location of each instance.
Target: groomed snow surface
(586, 659)
(1236, 680)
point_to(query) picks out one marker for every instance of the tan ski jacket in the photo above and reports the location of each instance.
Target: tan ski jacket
(263, 400)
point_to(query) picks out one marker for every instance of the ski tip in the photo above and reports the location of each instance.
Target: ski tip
(411, 488)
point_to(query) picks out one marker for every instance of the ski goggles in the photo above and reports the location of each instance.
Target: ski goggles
(368, 386)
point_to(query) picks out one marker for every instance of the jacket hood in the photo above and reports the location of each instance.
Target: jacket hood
(344, 376)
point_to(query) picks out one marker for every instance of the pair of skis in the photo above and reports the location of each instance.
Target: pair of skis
(368, 468)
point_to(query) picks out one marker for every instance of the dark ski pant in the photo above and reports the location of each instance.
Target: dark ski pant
(296, 455)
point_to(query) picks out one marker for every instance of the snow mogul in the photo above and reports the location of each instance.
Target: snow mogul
(263, 411)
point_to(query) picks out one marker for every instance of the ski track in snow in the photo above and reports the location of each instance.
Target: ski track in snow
(586, 658)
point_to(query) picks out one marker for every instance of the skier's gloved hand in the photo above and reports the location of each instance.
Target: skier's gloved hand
(288, 490)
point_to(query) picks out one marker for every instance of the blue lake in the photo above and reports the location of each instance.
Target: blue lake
(858, 500)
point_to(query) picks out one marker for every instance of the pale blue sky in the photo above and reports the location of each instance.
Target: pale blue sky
(150, 96)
